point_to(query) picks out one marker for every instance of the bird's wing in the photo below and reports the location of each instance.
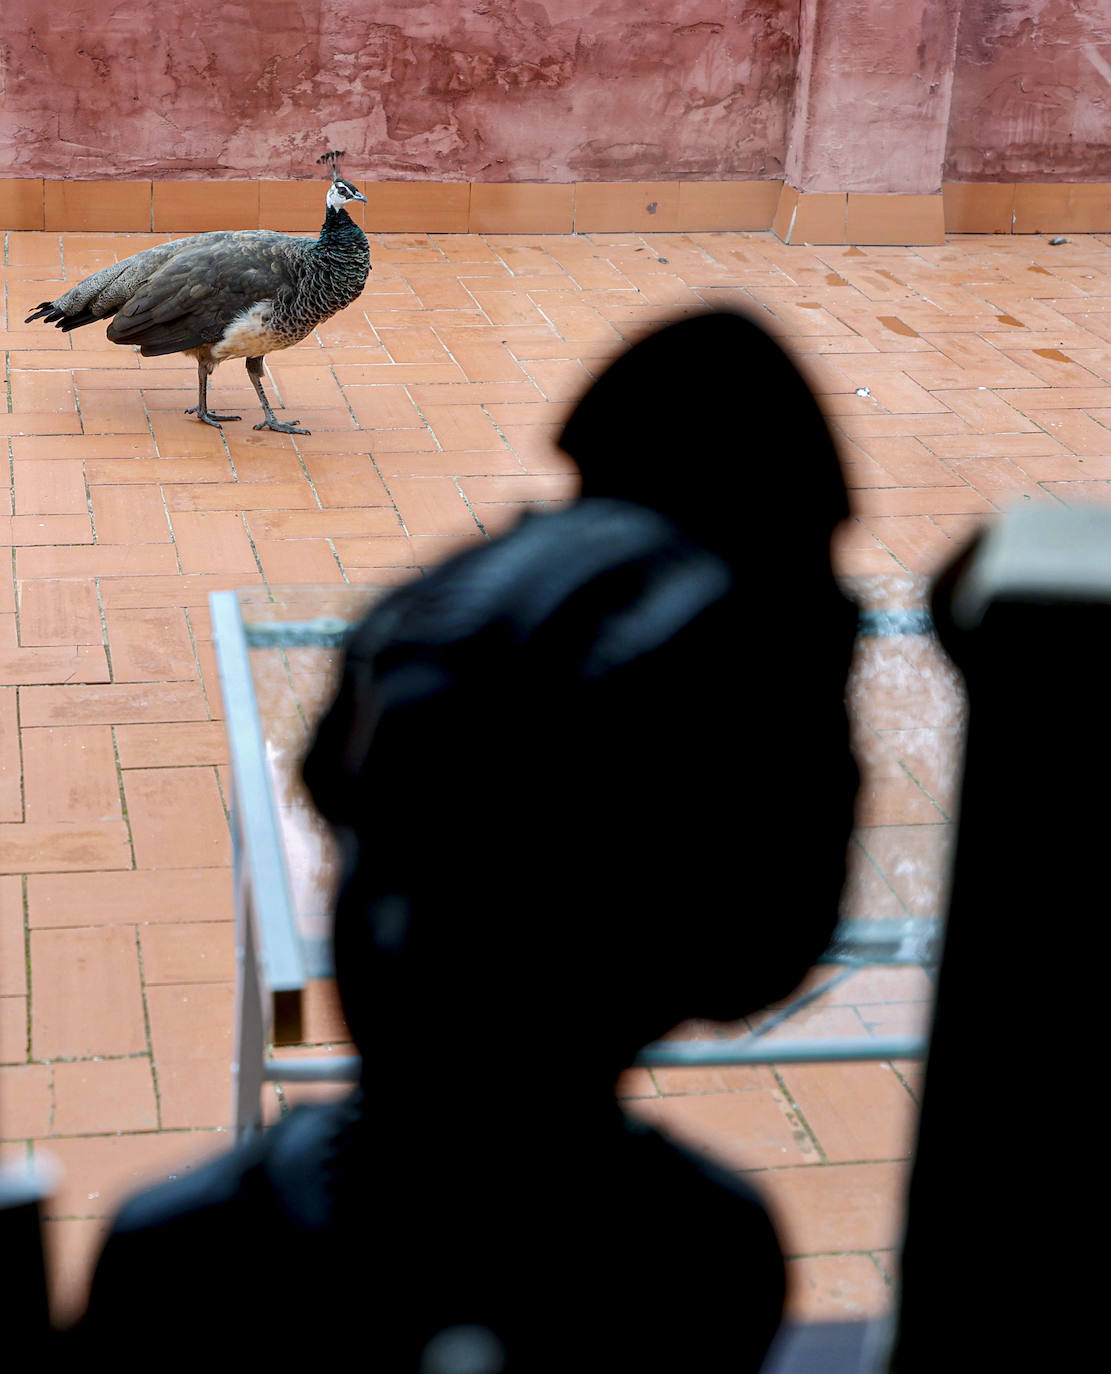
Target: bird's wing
(190, 299)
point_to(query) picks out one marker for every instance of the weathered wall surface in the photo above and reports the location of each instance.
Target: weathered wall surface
(485, 90)
(872, 97)
(835, 94)
(1032, 98)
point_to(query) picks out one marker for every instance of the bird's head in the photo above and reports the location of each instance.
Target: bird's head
(341, 193)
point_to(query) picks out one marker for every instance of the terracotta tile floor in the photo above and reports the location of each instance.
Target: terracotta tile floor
(959, 380)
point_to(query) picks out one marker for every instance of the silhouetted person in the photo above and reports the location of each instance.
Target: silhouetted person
(588, 781)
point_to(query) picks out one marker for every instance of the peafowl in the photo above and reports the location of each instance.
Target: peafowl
(228, 294)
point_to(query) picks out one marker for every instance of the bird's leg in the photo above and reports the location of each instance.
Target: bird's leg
(254, 371)
(201, 410)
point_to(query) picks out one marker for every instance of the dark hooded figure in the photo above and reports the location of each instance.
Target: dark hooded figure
(589, 780)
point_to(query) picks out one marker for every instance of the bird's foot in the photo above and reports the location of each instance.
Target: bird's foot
(209, 418)
(282, 426)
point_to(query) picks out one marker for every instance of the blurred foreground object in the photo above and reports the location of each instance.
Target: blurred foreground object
(24, 1186)
(557, 768)
(999, 1270)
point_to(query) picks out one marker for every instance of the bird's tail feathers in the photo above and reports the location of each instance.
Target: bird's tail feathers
(45, 310)
(90, 300)
(49, 313)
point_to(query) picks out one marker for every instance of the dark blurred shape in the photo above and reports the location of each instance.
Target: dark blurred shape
(679, 422)
(463, 1350)
(1000, 1265)
(23, 1188)
(589, 781)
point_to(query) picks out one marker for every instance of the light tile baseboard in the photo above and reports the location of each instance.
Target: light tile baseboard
(459, 207)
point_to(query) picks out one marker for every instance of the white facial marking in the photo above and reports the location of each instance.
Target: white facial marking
(341, 193)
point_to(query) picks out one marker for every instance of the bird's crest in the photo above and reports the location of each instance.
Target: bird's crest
(332, 160)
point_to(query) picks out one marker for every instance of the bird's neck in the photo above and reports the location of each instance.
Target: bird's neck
(340, 258)
(339, 230)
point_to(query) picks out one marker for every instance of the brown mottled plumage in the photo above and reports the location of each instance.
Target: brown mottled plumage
(229, 294)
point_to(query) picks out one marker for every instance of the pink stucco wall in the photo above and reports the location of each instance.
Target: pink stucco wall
(1032, 99)
(858, 95)
(474, 90)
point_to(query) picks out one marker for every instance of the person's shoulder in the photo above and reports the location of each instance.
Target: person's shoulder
(705, 1227)
(211, 1184)
(559, 548)
(591, 559)
(673, 1169)
(279, 1170)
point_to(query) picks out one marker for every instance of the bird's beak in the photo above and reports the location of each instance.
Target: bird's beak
(359, 196)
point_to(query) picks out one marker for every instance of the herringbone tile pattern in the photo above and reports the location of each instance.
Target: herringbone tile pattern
(959, 380)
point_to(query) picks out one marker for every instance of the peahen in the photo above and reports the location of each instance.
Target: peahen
(229, 294)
